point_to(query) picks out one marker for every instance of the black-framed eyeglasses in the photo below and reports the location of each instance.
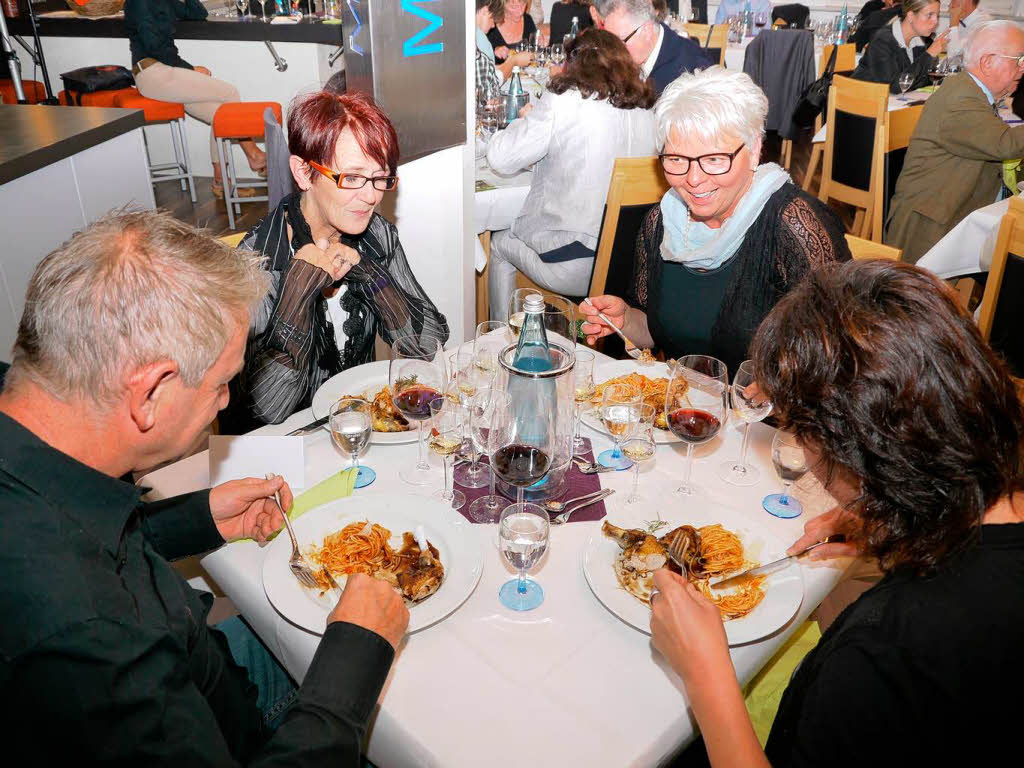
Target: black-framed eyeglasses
(355, 180)
(713, 164)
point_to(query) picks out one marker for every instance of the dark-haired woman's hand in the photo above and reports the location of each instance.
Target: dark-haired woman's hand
(836, 520)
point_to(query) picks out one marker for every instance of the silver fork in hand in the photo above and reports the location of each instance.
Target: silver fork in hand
(296, 563)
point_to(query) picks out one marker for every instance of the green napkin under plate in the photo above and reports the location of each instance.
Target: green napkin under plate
(337, 486)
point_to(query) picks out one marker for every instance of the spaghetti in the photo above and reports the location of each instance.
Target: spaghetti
(722, 553)
(361, 547)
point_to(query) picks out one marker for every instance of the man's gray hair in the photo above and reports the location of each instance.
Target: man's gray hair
(639, 10)
(710, 104)
(129, 290)
(983, 37)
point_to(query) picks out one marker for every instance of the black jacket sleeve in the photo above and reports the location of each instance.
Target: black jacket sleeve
(885, 61)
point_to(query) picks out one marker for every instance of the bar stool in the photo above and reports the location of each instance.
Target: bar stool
(34, 91)
(237, 121)
(170, 113)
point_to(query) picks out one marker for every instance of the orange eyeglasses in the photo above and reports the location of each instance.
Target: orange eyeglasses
(355, 180)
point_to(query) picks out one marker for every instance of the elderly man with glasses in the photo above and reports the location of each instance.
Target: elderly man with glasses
(954, 161)
(661, 53)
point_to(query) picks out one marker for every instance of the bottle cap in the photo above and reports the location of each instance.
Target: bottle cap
(515, 70)
(534, 303)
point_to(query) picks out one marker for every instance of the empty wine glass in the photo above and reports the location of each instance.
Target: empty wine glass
(468, 380)
(906, 80)
(483, 409)
(351, 425)
(523, 537)
(638, 449)
(620, 413)
(446, 424)
(243, 8)
(695, 405)
(584, 374)
(791, 464)
(263, 8)
(749, 406)
(416, 377)
(491, 338)
(557, 55)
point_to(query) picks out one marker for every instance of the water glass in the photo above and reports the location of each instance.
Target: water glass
(748, 406)
(791, 464)
(522, 539)
(638, 449)
(620, 414)
(351, 425)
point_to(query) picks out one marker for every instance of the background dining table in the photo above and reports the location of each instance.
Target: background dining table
(967, 248)
(565, 684)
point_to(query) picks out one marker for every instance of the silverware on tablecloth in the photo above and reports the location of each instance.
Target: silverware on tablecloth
(776, 565)
(310, 428)
(564, 517)
(559, 506)
(591, 467)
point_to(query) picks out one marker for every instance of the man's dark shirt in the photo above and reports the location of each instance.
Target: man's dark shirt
(150, 27)
(105, 647)
(677, 55)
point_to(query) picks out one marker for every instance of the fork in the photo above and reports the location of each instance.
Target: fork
(631, 349)
(296, 563)
(677, 550)
(564, 517)
(591, 467)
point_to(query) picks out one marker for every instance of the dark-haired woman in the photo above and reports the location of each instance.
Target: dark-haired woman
(916, 430)
(339, 274)
(596, 110)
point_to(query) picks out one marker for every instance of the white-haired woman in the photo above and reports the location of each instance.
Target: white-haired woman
(730, 237)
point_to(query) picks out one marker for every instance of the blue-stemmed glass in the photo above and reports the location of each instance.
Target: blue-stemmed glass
(523, 537)
(620, 414)
(791, 464)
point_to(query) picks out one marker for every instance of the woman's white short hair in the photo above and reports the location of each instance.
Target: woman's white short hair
(710, 104)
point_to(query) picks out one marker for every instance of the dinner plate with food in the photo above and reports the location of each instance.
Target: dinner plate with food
(619, 562)
(651, 380)
(370, 382)
(421, 546)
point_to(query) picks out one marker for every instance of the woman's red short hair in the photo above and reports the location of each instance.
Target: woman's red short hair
(316, 120)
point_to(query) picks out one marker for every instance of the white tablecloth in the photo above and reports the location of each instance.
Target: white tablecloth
(895, 102)
(567, 684)
(967, 248)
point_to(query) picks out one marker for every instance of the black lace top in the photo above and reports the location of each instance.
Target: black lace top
(794, 233)
(292, 346)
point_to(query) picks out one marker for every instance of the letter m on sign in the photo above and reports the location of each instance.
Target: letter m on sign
(414, 45)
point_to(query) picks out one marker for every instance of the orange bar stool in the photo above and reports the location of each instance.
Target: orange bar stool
(34, 91)
(94, 99)
(170, 113)
(237, 121)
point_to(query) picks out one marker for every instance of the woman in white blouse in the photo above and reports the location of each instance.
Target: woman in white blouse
(596, 110)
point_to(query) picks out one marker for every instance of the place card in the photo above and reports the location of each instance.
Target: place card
(236, 456)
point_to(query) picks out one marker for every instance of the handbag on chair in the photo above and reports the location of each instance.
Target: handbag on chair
(814, 99)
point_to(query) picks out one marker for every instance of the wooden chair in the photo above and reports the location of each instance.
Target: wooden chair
(846, 62)
(1001, 315)
(868, 249)
(637, 184)
(232, 240)
(853, 171)
(718, 39)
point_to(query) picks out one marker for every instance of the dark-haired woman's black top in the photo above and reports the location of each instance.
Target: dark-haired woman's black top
(716, 312)
(561, 19)
(885, 60)
(150, 28)
(529, 27)
(918, 671)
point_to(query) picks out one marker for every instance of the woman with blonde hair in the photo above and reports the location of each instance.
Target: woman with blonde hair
(904, 46)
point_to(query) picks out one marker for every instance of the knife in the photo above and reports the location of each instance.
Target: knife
(313, 426)
(775, 565)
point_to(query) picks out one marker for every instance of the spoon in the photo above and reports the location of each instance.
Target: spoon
(559, 506)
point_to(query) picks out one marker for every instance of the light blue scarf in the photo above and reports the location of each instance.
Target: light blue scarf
(697, 245)
(484, 44)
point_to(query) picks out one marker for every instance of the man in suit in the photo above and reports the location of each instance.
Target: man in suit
(661, 53)
(954, 161)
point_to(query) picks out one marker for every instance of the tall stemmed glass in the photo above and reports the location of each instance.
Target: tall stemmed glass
(243, 8)
(446, 423)
(584, 373)
(468, 379)
(749, 406)
(416, 377)
(695, 405)
(791, 464)
(620, 414)
(906, 80)
(492, 337)
(524, 443)
(263, 8)
(351, 425)
(523, 538)
(486, 405)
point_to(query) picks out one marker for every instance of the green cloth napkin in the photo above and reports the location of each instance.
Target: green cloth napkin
(929, 88)
(337, 486)
(764, 692)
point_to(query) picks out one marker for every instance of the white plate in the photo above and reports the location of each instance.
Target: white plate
(783, 590)
(605, 371)
(367, 379)
(445, 529)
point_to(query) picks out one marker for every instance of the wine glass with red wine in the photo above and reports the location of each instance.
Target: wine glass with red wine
(696, 405)
(416, 377)
(523, 446)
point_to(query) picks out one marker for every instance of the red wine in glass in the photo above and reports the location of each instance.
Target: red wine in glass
(414, 402)
(693, 425)
(520, 465)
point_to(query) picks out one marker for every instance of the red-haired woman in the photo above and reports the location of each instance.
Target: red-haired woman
(339, 274)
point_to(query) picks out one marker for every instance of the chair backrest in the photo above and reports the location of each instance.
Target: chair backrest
(713, 38)
(794, 14)
(1001, 315)
(232, 240)
(868, 249)
(858, 122)
(846, 59)
(637, 184)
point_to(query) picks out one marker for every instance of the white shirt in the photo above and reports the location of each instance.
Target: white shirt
(958, 34)
(897, 32)
(574, 143)
(651, 60)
